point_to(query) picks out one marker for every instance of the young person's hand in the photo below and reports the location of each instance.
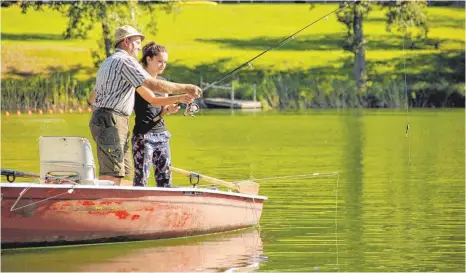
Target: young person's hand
(171, 109)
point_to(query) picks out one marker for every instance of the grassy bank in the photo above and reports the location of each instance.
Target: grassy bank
(311, 70)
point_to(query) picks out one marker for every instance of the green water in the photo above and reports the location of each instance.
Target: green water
(396, 204)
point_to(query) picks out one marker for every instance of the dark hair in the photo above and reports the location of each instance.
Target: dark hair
(150, 50)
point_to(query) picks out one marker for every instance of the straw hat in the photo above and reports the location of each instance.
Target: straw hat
(125, 32)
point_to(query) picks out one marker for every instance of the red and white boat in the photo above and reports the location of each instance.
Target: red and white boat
(90, 210)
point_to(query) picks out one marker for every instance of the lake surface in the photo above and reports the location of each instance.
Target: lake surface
(348, 191)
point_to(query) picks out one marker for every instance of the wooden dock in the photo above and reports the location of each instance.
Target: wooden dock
(235, 104)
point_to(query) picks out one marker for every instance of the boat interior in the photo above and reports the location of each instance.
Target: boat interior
(68, 157)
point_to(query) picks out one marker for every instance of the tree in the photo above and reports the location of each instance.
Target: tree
(407, 14)
(353, 16)
(403, 14)
(85, 15)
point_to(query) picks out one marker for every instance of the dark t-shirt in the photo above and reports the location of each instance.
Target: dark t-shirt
(145, 113)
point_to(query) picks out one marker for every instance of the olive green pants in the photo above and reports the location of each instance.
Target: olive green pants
(110, 131)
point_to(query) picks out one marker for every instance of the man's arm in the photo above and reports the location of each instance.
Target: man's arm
(149, 96)
(136, 75)
(162, 86)
(92, 96)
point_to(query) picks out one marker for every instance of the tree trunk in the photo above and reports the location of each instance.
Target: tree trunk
(107, 38)
(132, 12)
(359, 69)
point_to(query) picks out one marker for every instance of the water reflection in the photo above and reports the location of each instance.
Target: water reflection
(231, 252)
(239, 251)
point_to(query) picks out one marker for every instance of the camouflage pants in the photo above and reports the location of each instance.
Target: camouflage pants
(152, 149)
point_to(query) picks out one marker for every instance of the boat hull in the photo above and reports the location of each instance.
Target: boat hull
(58, 214)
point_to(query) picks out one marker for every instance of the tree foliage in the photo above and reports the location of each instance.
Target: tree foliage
(84, 16)
(347, 16)
(406, 15)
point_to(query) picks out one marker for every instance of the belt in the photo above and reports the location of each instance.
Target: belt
(109, 110)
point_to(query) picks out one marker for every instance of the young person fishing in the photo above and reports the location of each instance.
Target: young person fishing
(119, 77)
(150, 136)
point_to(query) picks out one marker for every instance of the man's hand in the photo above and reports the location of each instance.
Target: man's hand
(185, 98)
(192, 90)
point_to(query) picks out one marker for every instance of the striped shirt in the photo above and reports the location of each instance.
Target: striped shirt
(117, 80)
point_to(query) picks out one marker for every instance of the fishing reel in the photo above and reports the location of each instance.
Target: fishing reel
(191, 109)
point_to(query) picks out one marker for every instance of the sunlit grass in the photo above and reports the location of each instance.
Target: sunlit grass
(206, 34)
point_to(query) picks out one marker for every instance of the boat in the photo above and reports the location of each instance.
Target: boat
(67, 205)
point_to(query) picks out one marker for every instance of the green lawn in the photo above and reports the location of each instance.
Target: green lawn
(205, 34)
(208, 41)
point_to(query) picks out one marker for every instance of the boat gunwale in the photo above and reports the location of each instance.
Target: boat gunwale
(130, 188)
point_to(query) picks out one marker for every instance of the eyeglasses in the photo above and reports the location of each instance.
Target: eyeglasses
(133, 39)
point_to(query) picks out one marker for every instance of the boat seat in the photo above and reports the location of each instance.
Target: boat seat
(70, 156)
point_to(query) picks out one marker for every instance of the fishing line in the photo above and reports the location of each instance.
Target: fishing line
(192, 106)
(336, 221)
(293, 176)
(314, 175)
(69, 191)
(407, 133)
(282, 42)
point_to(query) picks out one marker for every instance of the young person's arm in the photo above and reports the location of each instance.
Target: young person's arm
(154, 100)
(167, 87)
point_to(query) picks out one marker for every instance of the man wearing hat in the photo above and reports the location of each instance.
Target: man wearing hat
(118, 78)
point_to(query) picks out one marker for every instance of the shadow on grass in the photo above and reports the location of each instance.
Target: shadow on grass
(331, 42)
(447, 23)
(436, 79)
(73, 70)
(31, 37)
(433, 22)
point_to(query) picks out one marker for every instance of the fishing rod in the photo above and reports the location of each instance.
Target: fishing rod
(192, 108)
(11, 176)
